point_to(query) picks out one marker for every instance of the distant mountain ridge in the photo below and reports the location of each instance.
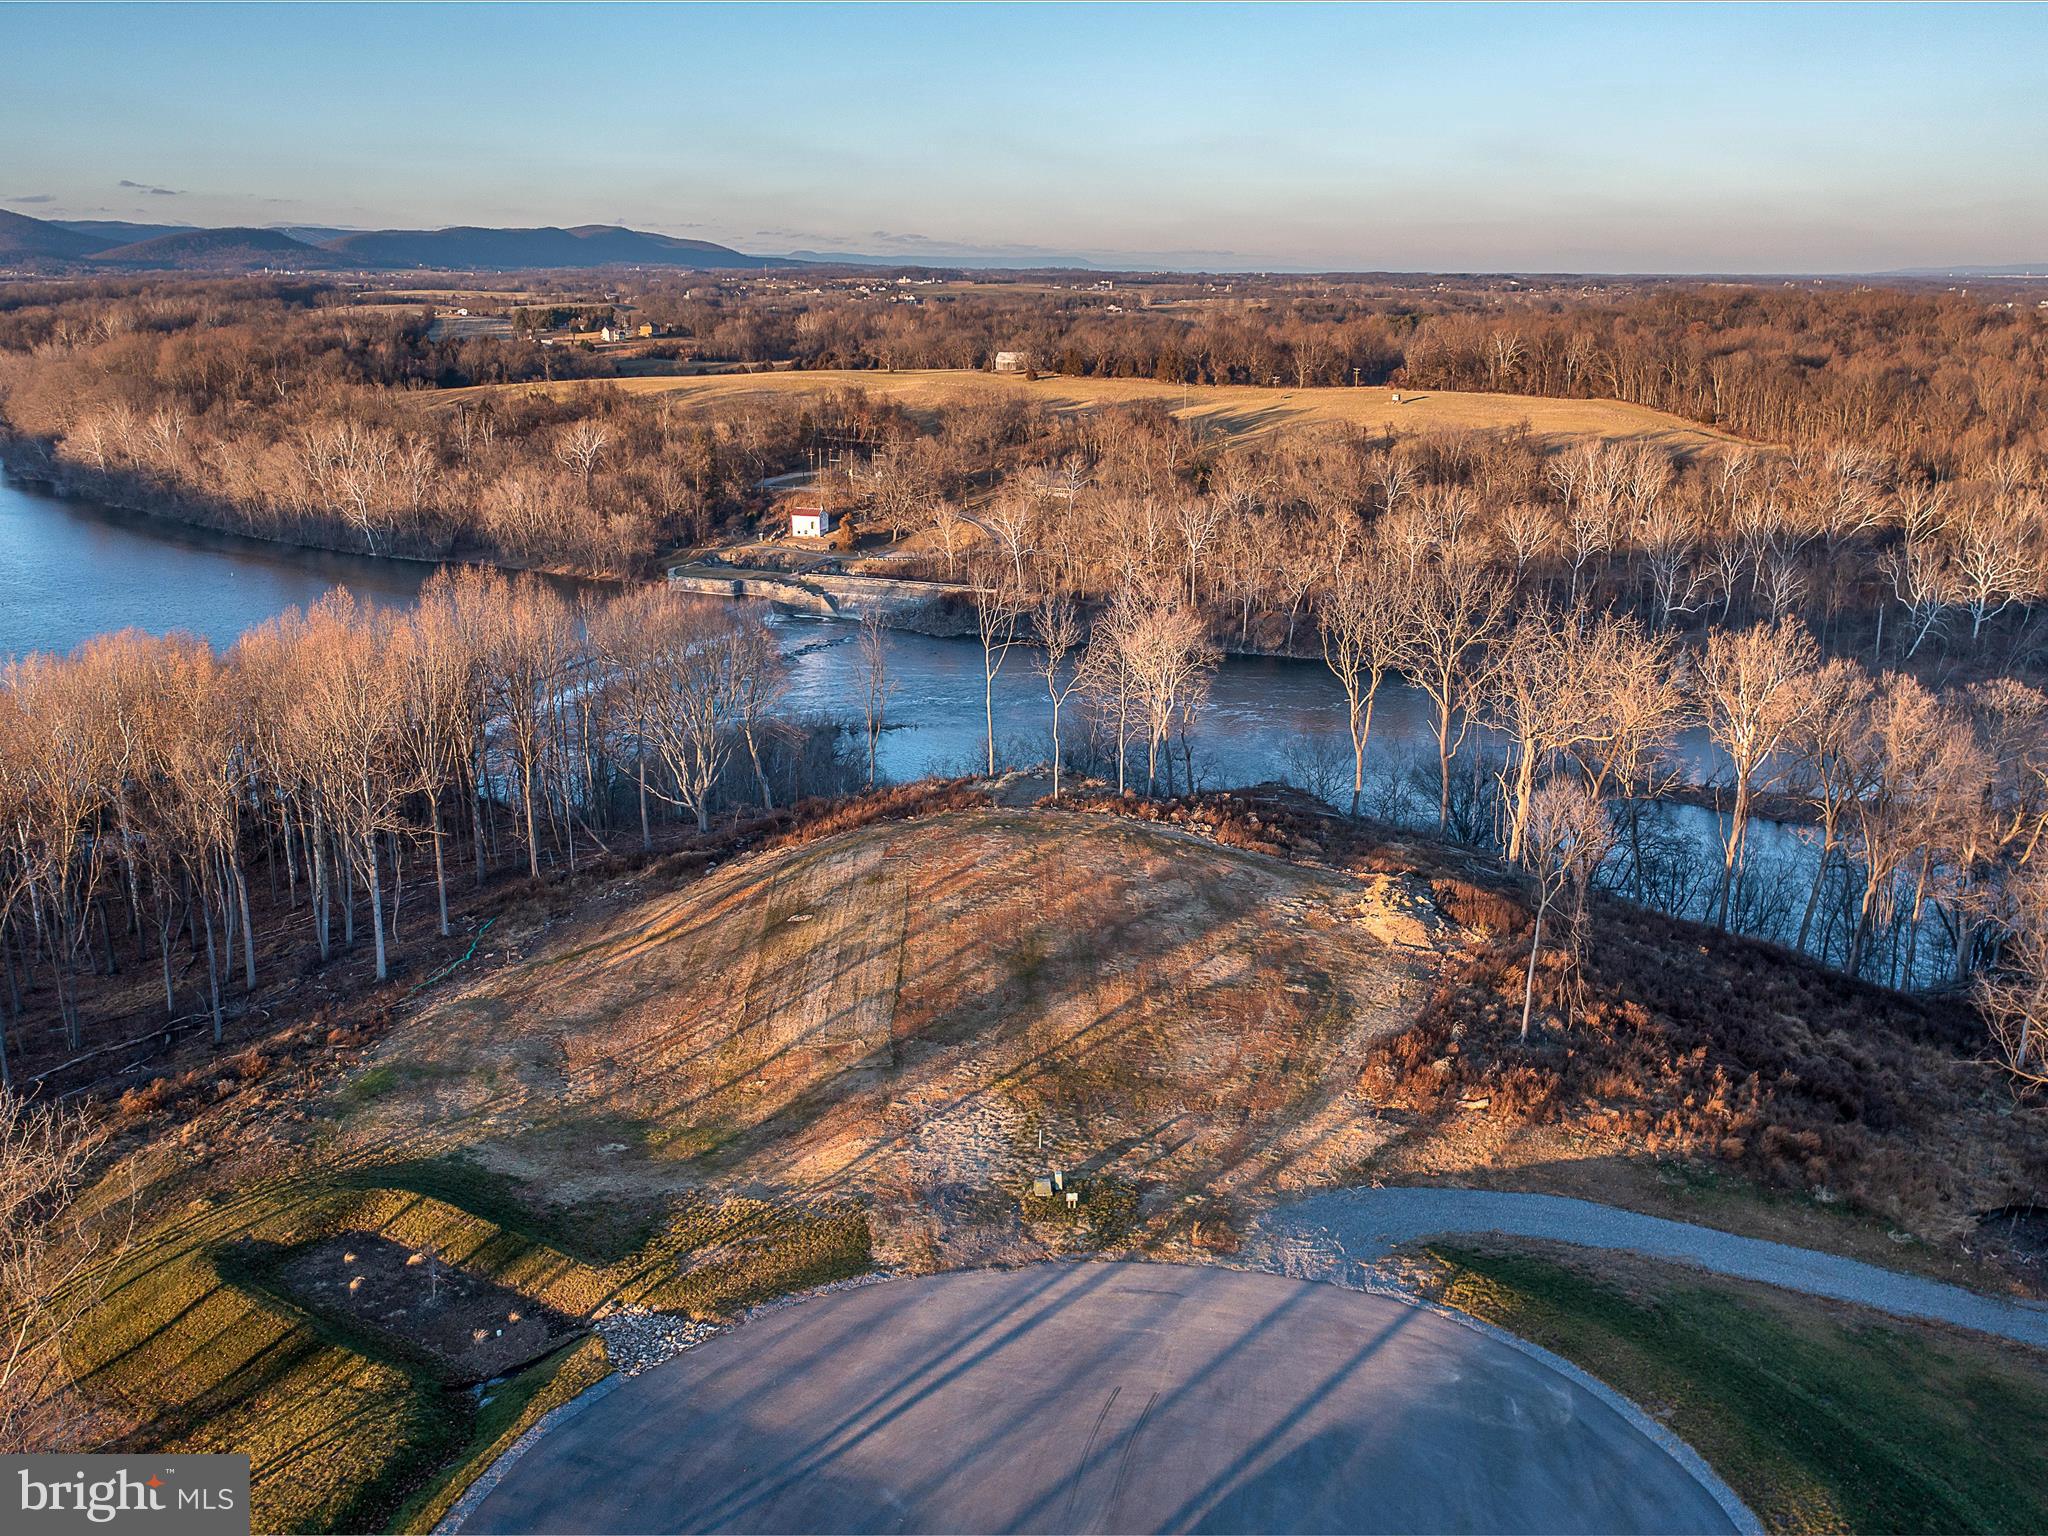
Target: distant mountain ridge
(25, 239)
(586, 245)
(213, 250)
(178, 248)
(118, 231)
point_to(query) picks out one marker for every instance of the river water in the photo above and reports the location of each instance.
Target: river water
(71, 568)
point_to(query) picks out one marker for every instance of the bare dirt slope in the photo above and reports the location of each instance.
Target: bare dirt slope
(927, 1015)
(1232, 409)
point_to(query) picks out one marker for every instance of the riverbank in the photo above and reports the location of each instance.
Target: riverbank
(32, 463)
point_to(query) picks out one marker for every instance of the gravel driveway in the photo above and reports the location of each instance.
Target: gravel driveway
(1345, 1235)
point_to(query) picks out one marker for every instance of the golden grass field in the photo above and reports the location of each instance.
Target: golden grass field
(1232, 409)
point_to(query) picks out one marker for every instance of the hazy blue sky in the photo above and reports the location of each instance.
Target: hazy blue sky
(1721, 138)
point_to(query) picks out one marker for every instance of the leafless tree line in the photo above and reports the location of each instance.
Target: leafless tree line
(1928, 804)
(356, 757)
(306, 422)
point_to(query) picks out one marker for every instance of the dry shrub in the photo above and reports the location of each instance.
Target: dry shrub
(815, 819)
(1474, 906)
(1694, 1044)
(144, 1099)
(1253, 820)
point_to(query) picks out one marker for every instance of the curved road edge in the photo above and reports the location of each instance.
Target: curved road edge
(1346, 1235)
(1658, 1433)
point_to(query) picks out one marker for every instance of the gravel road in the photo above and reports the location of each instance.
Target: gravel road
(1346, 1234)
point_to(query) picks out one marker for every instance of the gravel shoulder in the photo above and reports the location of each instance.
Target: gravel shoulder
(1350, 1236)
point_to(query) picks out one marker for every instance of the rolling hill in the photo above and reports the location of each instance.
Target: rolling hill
(23, 239)
(217, 250)
(112, 232)
(587, 245)
(45, 243)
(1230, 410)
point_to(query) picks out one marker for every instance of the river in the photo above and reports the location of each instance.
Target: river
(71, 568)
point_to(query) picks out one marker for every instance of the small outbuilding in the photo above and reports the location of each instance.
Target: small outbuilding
(1013, 362)
(812, 523)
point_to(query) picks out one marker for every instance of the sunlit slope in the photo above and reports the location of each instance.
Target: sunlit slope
(1231, 409)
(923, 1015)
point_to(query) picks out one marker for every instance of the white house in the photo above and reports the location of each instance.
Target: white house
(1012, 362)
(812, 523)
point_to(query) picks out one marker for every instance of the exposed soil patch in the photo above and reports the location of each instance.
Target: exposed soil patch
(470, 1326)
(922, 1017)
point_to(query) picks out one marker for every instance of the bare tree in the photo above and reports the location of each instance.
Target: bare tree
(1363, 619)
(1456, 604)
(1834, 754)
(1993, 564)
(531, 644)
(999, 607)
(1568, 838)
(2014, 997)
(688, 654)
(871, 643)
(619, 629)
(580, 447)
(760, 674)
(1924, 584)
(1754, 690)
(443, 683)
(1106, 678)
(56, 1250)
(1057, 624)
(1170, 659)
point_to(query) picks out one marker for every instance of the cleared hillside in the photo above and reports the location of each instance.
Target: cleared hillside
(694, 1088)
(926, 1020)
(1232, 409)
(694, 1098)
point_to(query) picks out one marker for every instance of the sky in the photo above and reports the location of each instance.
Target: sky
(1607, 138)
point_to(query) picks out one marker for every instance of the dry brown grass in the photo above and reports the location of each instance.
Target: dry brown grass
(1716, 1050)
(920, 1015)
(699, 1084)
(1234, 410)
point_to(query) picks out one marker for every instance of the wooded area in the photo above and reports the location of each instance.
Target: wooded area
(1850, 615)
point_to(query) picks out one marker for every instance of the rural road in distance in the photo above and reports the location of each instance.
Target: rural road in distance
(1104, 1397)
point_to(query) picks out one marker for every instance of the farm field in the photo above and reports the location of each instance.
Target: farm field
(1234, 410)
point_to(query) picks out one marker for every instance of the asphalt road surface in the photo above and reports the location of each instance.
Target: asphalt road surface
(1100, 1397)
